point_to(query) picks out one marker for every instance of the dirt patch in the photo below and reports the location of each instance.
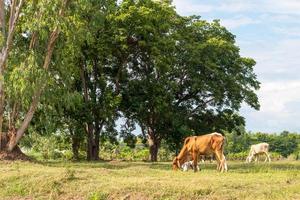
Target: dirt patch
(129, 196)
(16, 154)
(19, 198)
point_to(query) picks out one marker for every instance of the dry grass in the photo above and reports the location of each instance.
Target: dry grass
(139, 180)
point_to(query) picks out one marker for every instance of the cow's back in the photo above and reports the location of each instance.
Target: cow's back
(261, 147)
(207, 144)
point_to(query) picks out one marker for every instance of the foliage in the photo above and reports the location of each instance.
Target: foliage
(171, 75)
(237, 156)
(123, 152)
(44, 147)
(183, 73)
(53, 147)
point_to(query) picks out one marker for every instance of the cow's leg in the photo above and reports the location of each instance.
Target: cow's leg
(251, 157)
(220, 161)
(247, 159)
(256, 156)
(195, 161)
(225, 164)
(202, 159)
(267, 157)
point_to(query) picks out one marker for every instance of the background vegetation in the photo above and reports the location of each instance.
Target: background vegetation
(282, 146)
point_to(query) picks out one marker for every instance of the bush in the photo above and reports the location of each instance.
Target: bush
(123, 152)
(48, 147)
(294, 156)
(165, 154)
(142, 154)
(109, 151)
(243, 156)
(237, 156)
(276, 156)
(126, 153)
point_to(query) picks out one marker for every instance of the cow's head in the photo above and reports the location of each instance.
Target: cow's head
(176, 163)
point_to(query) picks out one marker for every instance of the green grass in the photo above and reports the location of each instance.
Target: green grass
(140, 180)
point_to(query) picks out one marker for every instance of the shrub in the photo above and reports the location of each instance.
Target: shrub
(142, 154)
(165, 154)
(276, 156)
(237, 156)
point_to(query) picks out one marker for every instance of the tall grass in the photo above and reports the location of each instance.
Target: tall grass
(142, 180)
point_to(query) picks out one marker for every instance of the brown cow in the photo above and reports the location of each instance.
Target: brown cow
(202, 145)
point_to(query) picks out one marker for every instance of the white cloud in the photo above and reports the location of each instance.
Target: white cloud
(283, 6)
(238, 21)
(238, 6)
(275, 96)
(278, 70)
(275, 58)
(234, 6)
(188, 8)
(288, 31)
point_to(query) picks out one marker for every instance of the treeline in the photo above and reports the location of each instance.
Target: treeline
(284, 144)
(71, 69)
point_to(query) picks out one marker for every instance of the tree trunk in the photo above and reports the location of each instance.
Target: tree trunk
(92, 153)
(154, 152)
(15, 154)
(154, 144)
(75, 146)
(97, 139)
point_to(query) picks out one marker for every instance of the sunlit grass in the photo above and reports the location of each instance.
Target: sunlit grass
(140, 180)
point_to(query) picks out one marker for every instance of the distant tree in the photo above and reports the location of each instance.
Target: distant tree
(285, 143)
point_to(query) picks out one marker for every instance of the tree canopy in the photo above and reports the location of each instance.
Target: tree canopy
(76, 67)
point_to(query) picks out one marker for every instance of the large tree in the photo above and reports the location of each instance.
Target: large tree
(25, 61)
(89, 53)
(183, 73)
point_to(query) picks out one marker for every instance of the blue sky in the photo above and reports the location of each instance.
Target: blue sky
(269, 32)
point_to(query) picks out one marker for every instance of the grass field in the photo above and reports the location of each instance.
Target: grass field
(140, 180)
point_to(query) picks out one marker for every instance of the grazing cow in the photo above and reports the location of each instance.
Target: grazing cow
(202, 145)
(258, 149)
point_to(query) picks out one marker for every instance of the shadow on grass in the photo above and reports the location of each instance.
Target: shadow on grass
(238, 167)
(114, 165)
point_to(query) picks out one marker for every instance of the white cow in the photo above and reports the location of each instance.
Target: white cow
(257, 149)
